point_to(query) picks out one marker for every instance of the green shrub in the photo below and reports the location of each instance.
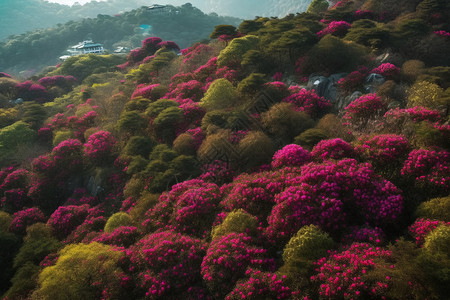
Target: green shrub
(237, 221)
(220, 94)
(134, 187)
(62, 135)
(143, 204)
(139, 145)
(435, 209)
(117, 220)
(309, 138)
(438, 240)
(255, 149)
(185, 144)
(5, 221)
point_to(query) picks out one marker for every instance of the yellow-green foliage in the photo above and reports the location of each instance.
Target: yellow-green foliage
(317, 6)
(311, 137)
(117, 220)
(143, 204)
(237, 221)
(79, 266)
(332, 125)
(284, 123)
(5, 220)
(12, 136)
(217, 145)
(62, 135)
(134, 187)
(7, 116)
(438, 240)
(411, 69)
(184, 144)
(255, 149)
(236, 49)
(437, 209)
(220, 94)
(309, 243)
(426, 94)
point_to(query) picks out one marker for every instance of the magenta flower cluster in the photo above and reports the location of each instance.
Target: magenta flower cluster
(353, 80)
(422, 227)
(341, 274)
(429, 167)
(398, 116)
(24, 218)
(261, 285)
(388, 70)
(323, 194)
(57, 80)
(227, 260)
(218, 172)
(166, 263)
(145, 91)
(383, 149)
(192, 89)
(364, 234)
(337, 28)
(123, 236)
(99, 145)
(442, 33)
(364, 108)
(67, 218)
(309, 102)
(291, 155)
(333, 149)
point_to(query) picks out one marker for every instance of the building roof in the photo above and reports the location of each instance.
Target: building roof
(86, 44)
(156, 6)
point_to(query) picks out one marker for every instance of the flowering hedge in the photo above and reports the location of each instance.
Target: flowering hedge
(309, 102)
(99, 146)
(290, 155)
(24, 218)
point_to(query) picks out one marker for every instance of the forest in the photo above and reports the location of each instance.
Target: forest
(304, 157)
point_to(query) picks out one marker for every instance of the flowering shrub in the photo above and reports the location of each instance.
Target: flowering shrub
(144, 91)
(364, 234)
(342, 274)
(16, 179)
(332, 196)
(261, 285)
(422, 227)
(363, 109)
(87, 231)
(396, 118)
(14, 200)
(24, 218)
(66, 218)
(218, 172)
(99, 146)
(383, 150)
(58, 80)
(333, 149)
(442, 33)
(169, 45)
(291, 155)
(68, 155)
(192, 89)
(309, 102)
(237, 221)
(123, 236)
(337, 28)
(438, 240)
(31, 91)
(388, 70)
(429, 168)
(227, 260)
(166, 263)
(192, 113)
(353, 80)
(190, 207)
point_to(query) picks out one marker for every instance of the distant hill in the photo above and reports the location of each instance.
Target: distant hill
(39, 48)
(20, 16)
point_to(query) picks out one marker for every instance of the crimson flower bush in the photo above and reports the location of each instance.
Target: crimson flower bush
(24, 218)
(341, 275)
(227, 260)
(291, 155)
(309, 102)
(363, 109)
(337, 28)
(383, 150)
(100, 146)
(165, 263)
(333, 149)
(422, 227)
(388, 70)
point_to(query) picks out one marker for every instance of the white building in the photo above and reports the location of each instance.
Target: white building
(86, 47)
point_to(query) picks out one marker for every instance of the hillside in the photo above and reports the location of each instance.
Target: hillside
(304, 157)
(43, 47)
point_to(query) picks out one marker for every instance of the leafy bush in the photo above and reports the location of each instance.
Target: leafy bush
(237, 221)
(436, 208)
(117, 220)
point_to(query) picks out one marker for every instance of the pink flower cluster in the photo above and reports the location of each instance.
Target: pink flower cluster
(192, 112)
(261, 285)
(429, 167)
(58, 80)
(291, 155)
(333, 149)
(442, 33)
(383, 149)
(24, 218)
(196, 54)
(364, 234)
(364, 108)
(190, 207)
(99, 145)
(227, 260)
(14, 179)
(387, 70)
(237, 136)
(252, 192)
(166, 263)
(341, 274)
(422, 227)
(398, 116)
(323, 195)
(364, 14)
(337, 28)
(309, 102)
(145, 91)
(124, 236)
(88, 230)
(218, 172)
(66, 218)
(353, 80)
(198, 135)
(68, 154)
(31, 91)
(192, 89)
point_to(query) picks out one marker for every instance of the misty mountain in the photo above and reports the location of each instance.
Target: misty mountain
(20, 16)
